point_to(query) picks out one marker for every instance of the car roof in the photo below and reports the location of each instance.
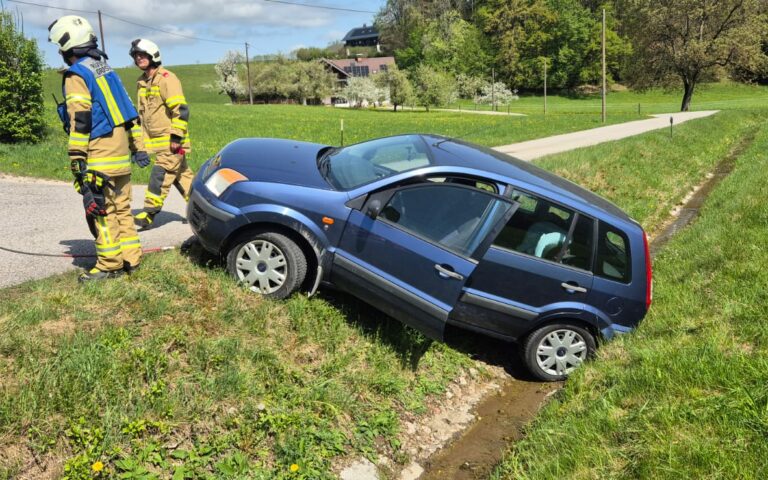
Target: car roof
(458, 153)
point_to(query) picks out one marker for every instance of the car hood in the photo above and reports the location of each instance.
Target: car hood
(275, 160)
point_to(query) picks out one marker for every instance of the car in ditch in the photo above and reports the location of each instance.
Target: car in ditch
(432, 231)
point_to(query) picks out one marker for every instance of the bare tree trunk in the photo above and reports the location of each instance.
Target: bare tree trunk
(395, 105)
(688, 94)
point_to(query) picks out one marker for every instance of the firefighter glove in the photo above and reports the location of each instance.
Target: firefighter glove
(94, 203)
(141, 159)
(176, 144)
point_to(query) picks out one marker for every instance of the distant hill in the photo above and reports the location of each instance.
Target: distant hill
(193, 77)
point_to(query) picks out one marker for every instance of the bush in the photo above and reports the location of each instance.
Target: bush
(21, 85)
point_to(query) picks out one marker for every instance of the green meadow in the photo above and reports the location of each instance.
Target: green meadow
(177, 372)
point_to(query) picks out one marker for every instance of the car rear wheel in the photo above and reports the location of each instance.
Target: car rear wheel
(552, 352)
(268, 263)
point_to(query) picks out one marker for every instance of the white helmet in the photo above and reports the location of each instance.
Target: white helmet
(71, 31)
(142, 45)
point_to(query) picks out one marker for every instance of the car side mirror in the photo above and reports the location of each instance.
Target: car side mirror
(374, 209)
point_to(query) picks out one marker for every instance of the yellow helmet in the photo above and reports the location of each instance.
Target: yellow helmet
(71, 31)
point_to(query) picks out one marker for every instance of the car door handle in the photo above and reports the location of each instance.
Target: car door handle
(448, 273)
(573, 288)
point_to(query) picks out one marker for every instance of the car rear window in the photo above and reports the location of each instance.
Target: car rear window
(613, 255)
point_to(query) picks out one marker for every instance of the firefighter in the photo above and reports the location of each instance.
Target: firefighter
(164, 114)
(98, 116)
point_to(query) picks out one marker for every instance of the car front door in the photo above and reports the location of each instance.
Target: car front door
(409, 251)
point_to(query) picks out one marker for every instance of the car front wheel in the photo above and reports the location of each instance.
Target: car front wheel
(552, 352)
(268, 263)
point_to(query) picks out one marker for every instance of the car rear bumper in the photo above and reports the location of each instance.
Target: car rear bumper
(614, 329)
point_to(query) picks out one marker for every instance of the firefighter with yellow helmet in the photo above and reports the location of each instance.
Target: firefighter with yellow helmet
(164, 117)
(98, 116)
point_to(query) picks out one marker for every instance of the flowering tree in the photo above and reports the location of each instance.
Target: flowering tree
(496, 94)
(362, 89)
(228, 69)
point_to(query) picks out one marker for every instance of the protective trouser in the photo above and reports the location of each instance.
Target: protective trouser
(169, 169)
(117, 240)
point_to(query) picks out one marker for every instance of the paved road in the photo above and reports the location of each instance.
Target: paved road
(561, 143)
(44, 224)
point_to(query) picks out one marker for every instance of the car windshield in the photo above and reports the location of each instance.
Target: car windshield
(350, 167)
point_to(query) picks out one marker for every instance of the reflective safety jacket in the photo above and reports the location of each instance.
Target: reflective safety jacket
(110, 104)
(94, 99)
(163, 111)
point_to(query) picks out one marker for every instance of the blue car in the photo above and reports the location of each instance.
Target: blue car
(432, 231)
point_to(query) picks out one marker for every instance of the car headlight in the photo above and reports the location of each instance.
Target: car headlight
(222, 179)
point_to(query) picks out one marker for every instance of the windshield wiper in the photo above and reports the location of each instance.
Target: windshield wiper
(324, 160)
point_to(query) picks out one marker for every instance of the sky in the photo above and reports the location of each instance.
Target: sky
(269, 27)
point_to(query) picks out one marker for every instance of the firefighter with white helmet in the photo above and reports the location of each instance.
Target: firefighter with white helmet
(98, 116)
(164, 117)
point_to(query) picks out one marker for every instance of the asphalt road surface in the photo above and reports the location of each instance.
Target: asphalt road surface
(43, 230)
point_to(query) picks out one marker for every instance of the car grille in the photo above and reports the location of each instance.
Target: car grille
(197, 217)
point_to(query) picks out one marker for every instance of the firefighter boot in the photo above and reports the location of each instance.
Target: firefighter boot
(144, 220)
(96, 274)
(130, 269)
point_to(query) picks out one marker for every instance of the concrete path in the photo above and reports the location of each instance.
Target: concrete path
(570, 141)
(43, 230)
(44, 224)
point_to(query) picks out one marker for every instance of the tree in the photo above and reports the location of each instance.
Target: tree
(451, 43)
(689, 39)
(395, 81)
(469, 86)
(361, 89)
(228, 70)
(312, 81)
(433, 87)
(495, 95)
(21, 85)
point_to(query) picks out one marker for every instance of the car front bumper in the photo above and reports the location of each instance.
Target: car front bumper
(210, 220)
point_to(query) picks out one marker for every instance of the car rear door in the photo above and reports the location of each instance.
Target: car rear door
(539, 265)
(409, 251)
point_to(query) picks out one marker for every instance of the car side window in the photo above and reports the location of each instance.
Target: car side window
(537, 228)
(455, 217)
(579, 251)
(613, 255)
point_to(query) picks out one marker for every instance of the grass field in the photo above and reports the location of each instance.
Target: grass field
(214, 122)
(177, 371)
(686, 395)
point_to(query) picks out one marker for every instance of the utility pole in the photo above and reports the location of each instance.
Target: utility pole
(545, 85)
(101, 30)
(493, 89)
(604, 81)
(248, 70)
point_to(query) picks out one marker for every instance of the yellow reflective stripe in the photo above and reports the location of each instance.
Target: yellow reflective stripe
(130, 242)
(157, 200)
(114, 111)
(109, 163)
(180, 124)
(79, 135)
(78, 143)
(73, 98)
(111, 250)
(79, 139)
(164, 141)
(102, 224)
(175, 100)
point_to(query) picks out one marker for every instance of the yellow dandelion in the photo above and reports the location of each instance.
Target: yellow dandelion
(294, 468)
(97, 467)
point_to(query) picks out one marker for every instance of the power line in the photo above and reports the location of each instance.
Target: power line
(50, 6)
(168, 32)
(323, 7)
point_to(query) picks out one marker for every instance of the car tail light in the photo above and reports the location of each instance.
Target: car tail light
(648, 274)
(222, 179)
